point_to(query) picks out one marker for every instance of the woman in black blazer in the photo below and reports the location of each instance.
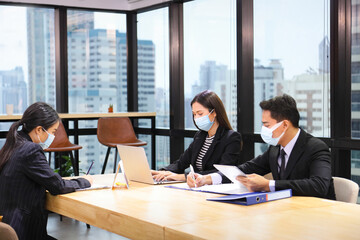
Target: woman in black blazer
(214, 143)
(25, 173)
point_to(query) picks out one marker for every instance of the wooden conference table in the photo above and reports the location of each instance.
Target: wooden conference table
(156, 212)
(76, 131)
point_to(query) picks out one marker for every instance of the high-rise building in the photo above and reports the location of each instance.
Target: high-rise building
(355, 89)
(324, 56)
(221, 80)
(41, 55)
(267, 84)
(312, 94)
(13, 90)
(97, 71)
(98, 77)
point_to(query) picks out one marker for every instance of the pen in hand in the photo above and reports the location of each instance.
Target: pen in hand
(90, 167)
(192, 172)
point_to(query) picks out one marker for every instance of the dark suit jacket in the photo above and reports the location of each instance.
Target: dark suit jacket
(225, 149)
(23, 182)
(308, 171)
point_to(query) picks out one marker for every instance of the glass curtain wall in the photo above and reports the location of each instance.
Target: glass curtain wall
(27, 63)
(355, 88)
(153, 78)
(292, 56)
(97, 74)
(210, 54)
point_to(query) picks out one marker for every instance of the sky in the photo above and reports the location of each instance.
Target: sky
(287, 30)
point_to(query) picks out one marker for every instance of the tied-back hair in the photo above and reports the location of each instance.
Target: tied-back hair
(211, 101)
(37, 114)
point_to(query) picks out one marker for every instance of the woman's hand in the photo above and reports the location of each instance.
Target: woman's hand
(160, 175)
(200, 180)
(167, 175)
(89, 178)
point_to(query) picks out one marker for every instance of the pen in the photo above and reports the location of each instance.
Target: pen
(192, 173)
(90, 167)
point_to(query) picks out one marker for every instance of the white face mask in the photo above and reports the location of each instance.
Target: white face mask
(48, 140)
(204, 122)
(266, 134)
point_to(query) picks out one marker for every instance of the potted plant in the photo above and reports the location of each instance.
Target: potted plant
(111, 108)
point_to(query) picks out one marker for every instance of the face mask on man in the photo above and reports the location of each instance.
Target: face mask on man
(204, 122)
(48, 140)
(266, 134)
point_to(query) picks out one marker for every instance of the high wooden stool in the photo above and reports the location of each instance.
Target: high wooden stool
(61, 143)
(114, 131)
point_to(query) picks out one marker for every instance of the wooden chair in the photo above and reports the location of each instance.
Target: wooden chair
(114, 131)
(61, 144)
(346, 190)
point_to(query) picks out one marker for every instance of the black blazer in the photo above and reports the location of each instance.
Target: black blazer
(308, 171)
(225, 149)
(23, 181)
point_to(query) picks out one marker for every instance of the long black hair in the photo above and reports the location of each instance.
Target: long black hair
(211, 101)
(37, 114)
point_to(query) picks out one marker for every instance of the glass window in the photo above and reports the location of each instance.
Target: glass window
(97, 77)
(355, 89)
(210, 54)
(292, 56)
(27, 65)
(153, 76)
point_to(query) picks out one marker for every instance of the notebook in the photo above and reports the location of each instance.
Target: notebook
(136, 165)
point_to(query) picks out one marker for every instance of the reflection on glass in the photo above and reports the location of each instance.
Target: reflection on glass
(153, 75)
(210, 54)
(27, 62)
(355, 88)
(292, 56)
(96, 62)
(27, 73)
(96, 74)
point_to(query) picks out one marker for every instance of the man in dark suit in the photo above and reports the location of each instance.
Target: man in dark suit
(296, 159)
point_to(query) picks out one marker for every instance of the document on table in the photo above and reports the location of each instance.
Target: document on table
(94, 187)
(226, 188)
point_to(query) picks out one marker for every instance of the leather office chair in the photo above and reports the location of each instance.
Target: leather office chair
(7, 232)
(61, 143)
(114, 131)
(346, 190)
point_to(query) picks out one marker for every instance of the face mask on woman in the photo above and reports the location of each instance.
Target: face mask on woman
(266, 134)
(204, 122)
(48, 140)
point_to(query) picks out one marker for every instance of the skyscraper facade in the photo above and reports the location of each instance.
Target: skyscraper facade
(41, 55)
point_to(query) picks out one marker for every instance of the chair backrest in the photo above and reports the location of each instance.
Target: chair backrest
(61, 138)
(115, 130)
(346, 190)
(7, 232)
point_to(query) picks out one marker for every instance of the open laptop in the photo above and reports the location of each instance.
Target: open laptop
(136, 165)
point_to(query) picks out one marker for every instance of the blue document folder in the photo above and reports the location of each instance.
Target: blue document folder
(253, 198)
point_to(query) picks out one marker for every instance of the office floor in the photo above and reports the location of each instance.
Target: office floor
(71, 229)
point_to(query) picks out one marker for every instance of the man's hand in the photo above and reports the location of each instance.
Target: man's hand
(200, 180)
(254, 182)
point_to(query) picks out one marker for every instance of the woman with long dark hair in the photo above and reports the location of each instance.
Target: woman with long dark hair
(25, 173)
(214, 143)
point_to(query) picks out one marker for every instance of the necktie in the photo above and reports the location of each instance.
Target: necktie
(282, 167)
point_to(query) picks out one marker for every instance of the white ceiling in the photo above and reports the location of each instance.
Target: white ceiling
(102, 4)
